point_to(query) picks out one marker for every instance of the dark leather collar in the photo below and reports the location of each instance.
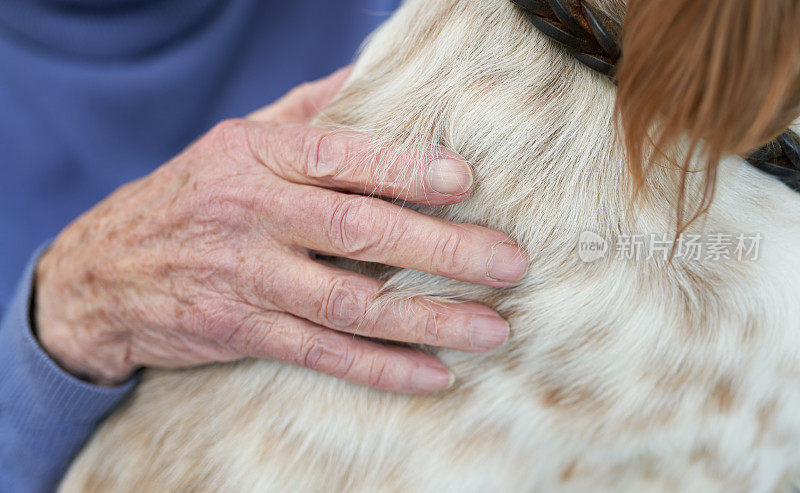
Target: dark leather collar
(593, 39)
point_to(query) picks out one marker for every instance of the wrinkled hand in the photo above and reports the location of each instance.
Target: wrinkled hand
(212, 258)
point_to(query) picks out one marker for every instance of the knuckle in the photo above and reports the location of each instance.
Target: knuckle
(390, 235)
(212, 267)
(320, 155)
(390, 167)
(430, 327)
(254, 282)
(327, 354)
(352, 226)
(225, 201)
(379, 374)
(343, 305)
(447, 256)
(227, 134)
(224, 206)
(227, 325)
(254, 332)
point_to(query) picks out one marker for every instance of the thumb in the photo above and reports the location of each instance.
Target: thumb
(304, 101)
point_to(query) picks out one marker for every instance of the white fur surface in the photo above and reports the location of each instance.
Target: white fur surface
(619, 376)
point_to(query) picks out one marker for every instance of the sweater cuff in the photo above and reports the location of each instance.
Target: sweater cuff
(51, 389)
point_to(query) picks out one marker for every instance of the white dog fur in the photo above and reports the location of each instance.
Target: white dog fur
(620, 375)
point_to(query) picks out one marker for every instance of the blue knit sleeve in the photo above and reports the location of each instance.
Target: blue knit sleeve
(45, 413)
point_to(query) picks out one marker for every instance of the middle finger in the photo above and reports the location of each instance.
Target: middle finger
(373, 230)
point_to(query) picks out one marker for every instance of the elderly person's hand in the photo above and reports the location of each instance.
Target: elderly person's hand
(212, 258)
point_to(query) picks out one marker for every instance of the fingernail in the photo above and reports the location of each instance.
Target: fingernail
(507, 263)
(427, 379)
(449, 176)
(487, 332)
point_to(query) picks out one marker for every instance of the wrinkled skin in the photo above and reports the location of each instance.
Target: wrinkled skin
(212, 258)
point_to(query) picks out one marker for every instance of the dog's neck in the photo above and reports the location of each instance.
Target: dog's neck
(525, 114)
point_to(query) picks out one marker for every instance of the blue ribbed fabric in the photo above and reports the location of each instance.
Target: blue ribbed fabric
(94, 96)
(45, 414)
(95, 93)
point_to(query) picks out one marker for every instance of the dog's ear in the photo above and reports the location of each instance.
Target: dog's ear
(725, 73)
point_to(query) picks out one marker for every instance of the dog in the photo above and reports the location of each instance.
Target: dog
(655, 368)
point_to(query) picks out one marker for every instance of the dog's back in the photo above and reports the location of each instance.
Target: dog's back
(621, 373)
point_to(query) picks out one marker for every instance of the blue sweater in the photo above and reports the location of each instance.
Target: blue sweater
(94, 93)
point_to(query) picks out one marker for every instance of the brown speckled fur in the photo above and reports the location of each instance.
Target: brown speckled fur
(619, 376)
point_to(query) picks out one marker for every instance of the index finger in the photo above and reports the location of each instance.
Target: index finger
(359, 163)
(349, 161)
